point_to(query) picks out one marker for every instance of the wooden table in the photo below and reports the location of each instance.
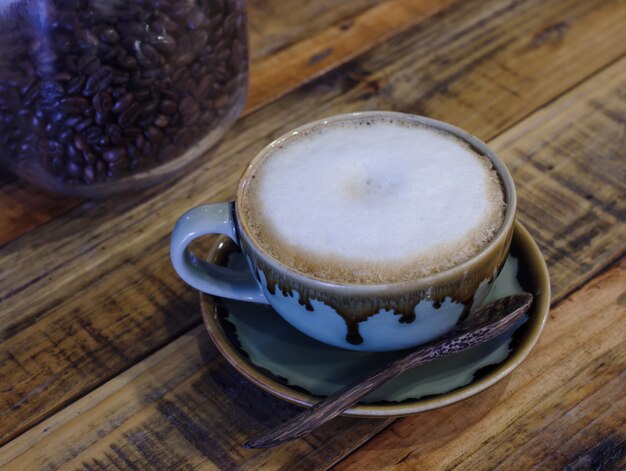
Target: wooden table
(104, 363)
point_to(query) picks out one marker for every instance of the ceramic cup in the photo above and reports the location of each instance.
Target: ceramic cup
(362, 317)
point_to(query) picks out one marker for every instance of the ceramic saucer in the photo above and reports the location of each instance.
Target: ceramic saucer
(294, 367)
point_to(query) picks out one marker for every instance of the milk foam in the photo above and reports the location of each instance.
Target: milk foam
(381, 202)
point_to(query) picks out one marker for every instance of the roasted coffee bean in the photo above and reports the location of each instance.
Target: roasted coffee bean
(90, 157)
(169, 107)
(73, 154)
(109, 35)
(75, 85)
(114, 154)
(140, 141)
(89, 174)
(161, 121)
(83, 124)
(101, 118)
(123, 103)
(164, 43)
(98, 94)
(121, 77)
(80, 143)
(66, 136)
(129, 115)
(102, 102)
(189, 109)
(154, 134)
(50, 91)
(93, 134)
(74, 169)
(98, 80)
(151, 54)
(114, 133)
(73, 104)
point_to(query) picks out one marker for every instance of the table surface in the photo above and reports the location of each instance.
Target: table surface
(104, 362)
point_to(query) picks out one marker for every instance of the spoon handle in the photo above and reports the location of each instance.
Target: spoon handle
(509, 309)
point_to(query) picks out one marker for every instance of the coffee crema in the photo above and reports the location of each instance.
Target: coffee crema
(372, 201)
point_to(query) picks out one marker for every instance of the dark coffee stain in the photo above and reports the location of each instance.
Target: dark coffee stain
(552, 33)
(315, 58)
(606, 454)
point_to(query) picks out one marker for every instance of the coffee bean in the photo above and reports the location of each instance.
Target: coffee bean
(73, 154)
(80, 143)
(161, 121)
(151, 54)
(154, 134)
(73, 104)
(75, 84)
(98, 80)
(92, 134)
(74, 170)
(123, 103)
(101, 118)
(169, 107)
(50, 91)
(189, 109)
(129, 115)
(114, 154)
(66, 136)
(89, 174)
(109, 35)
(97, 94)
(114, 133)
(83, 124)
(164, 43)
(102, 102)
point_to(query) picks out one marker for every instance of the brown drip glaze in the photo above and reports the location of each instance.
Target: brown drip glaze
(356, 309)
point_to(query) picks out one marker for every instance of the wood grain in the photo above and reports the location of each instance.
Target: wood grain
(311, 58)
(95, 293)
(183, 406)
(274, 25)
(290, 46)
(564, 405)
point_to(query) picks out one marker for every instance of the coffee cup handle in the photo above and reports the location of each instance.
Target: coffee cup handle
(207, 277)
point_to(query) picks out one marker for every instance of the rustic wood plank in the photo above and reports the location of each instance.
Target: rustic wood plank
(274, 25)
(185, 407)
(564, 405)
(311, 58)
(24, 207)
(112, 256)
(166, 422)
(185, 386)
(290, 46)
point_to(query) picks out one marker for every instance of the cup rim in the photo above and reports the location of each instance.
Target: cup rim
(419, 283)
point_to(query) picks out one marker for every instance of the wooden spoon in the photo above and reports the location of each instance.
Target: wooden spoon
(481, 325)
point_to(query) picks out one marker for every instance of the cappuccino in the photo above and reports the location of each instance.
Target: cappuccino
(372, 201)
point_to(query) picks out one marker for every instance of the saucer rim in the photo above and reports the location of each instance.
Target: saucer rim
(541, 308)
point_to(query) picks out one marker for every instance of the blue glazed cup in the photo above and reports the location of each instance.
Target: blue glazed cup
(366, 317)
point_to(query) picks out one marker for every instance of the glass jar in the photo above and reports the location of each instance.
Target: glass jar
(103, 96)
